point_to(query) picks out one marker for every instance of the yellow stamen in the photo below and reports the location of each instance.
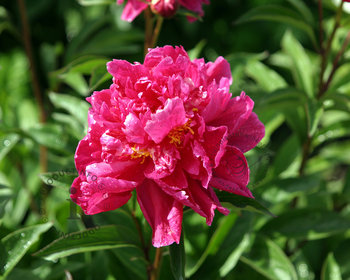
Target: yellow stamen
(140, 153)
(176, 133)
(194, 109)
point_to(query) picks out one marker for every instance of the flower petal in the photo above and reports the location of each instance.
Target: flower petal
(132, 9)
(215, 140)
(94, 198)
(248, 135)
(164, 120)
(163, 213)
(232, 174)
(236, 113)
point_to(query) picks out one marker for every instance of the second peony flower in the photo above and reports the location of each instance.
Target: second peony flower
(165, 8)
(170, 129)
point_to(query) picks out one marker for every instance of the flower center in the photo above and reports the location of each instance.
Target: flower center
(176, 133)
(140, 153)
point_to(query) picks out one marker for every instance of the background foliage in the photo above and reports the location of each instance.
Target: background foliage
(300, 171)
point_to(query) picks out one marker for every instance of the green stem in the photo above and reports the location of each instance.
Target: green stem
(157, 30)
(148, 30)
(325, 53)
(335, 64)
(156, 264)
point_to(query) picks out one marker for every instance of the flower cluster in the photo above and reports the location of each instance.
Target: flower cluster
(165, 8)
(170, 129)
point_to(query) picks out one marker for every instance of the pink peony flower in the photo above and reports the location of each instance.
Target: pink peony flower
(169, 129)
(166, 8)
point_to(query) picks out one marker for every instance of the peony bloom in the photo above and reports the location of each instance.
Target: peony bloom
(165, 8)
(169, 129)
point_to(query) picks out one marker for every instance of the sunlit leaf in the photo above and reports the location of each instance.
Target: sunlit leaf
(100, 238)
(330, 269)
(302, 67)
(267, 258)
(15, 245)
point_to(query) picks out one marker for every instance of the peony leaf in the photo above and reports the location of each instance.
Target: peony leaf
(93, 239)
(178, 259)
(15, 245)
(7, 142)
(62, 179)
(95, 2)
(279, 14)
(243, 202)
(265, 77)
(225, 247)
(330, 269)
(75, 106)
(268, 259)
(307, 223)
(301, 67)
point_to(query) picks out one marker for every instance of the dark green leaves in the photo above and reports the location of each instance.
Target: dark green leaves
(178, 259)
(279, 14)
(268, 259)
(243, 202)
(100, 238)
(15, 245)
(307, 223)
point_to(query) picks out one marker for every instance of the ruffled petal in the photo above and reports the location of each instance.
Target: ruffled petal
(164, 120)
(215, 140)
(201, 200)
(132, 9)
(218, 70)
(100, 194)
(232, 174)
(162, 212)
(248, 135)
(236, 113)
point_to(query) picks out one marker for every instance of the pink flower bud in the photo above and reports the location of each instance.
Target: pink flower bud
(165, 8)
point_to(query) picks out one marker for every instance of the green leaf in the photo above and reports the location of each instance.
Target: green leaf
(267, 258)
(337, 101)
(48, 135)
(314, 113)
(7, 142)
(341, 78)
(243, 202)
(307, 223)
(330, 269)
(279, 14)
(16, 244)
(93, 239)
(284, 190)
(226, 246)
(95, 2)
(62, 179)
(99, 76)
(266, 78)
(5, 196)
(132, 257)
(216, 240)
(233, 258)
(178, 259)
(302, 67)
(286, 155)
(303, 10)
(195, 52)
(75, 106)
(282, 99)
(77, 82)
